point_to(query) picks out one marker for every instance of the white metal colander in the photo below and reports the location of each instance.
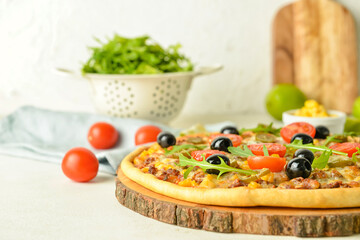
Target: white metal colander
(158, 97)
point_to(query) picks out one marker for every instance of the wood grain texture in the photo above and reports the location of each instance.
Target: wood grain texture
(258, 220)
(315, 47)
(283, 59)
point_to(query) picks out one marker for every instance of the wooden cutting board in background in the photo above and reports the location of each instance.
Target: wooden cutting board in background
(315, 48)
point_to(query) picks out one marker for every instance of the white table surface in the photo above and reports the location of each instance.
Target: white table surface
(38, 202)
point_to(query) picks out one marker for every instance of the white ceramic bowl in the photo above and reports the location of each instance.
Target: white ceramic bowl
(335, 124)
(157, 97)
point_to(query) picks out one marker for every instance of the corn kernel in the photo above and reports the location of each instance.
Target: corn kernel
(187, 183)
(311, 104)
(254, 185)
(145, 169)
(245, 166)
(137, 161)
(156, 147)
(160, 165)
(146, 153)
(166, 160)
(207, 182)
(268, 177)
(234, 177)
(312, 109)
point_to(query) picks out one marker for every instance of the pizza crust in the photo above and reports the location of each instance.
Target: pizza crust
(243, 196)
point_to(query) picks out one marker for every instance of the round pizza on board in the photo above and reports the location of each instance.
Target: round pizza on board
(295, 166)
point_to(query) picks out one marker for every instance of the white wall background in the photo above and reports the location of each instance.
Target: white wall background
(37, 36)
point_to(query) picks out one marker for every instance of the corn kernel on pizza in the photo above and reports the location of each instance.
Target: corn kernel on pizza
(295, 166)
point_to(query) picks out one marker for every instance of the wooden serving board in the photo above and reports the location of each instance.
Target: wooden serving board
(254, 220)
(315, 48)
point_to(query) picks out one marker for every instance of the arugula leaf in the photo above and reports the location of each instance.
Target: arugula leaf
(332, 138)
(322, 161)
(298, 144)
(139, 55)
(204, 165)
(241, 152)
(262, 128)
(178, 148)
(353, 157)
(186, 173)
(266, 152)
(339, 137)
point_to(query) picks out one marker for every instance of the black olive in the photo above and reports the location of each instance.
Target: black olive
(229, 130)
(166, 139)
(221, 144)
(305, 153)
(298, 167)
(322, 132)
(215, 159)
(302, 136)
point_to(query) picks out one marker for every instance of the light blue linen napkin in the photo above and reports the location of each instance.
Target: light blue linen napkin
(47, 135)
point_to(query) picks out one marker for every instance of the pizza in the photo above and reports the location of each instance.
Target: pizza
(296, 166)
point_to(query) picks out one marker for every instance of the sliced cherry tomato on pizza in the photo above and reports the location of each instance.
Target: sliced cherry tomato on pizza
(146, 134)
(236, 139)
(346, 147)
(290, 130)
(273, 148)
(197, 155)
(274, 164)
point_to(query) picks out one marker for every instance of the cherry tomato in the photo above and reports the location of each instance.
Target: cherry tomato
(297, 127)
(274, 164)
(236, 139)
(102, 135)
(273, 148)
(346, 147)
(80, 164)
(197, 155)
(146, 134)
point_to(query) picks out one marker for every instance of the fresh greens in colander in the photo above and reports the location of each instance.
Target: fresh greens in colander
(140, 55)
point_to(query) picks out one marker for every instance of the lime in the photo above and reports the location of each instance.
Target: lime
(284, 97)
(352, 125)
(356, 108)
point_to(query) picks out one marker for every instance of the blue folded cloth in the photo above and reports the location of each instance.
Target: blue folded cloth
(47, 135)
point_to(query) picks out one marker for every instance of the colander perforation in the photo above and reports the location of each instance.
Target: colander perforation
(119, 100)
(158, 98)
(165, 98)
